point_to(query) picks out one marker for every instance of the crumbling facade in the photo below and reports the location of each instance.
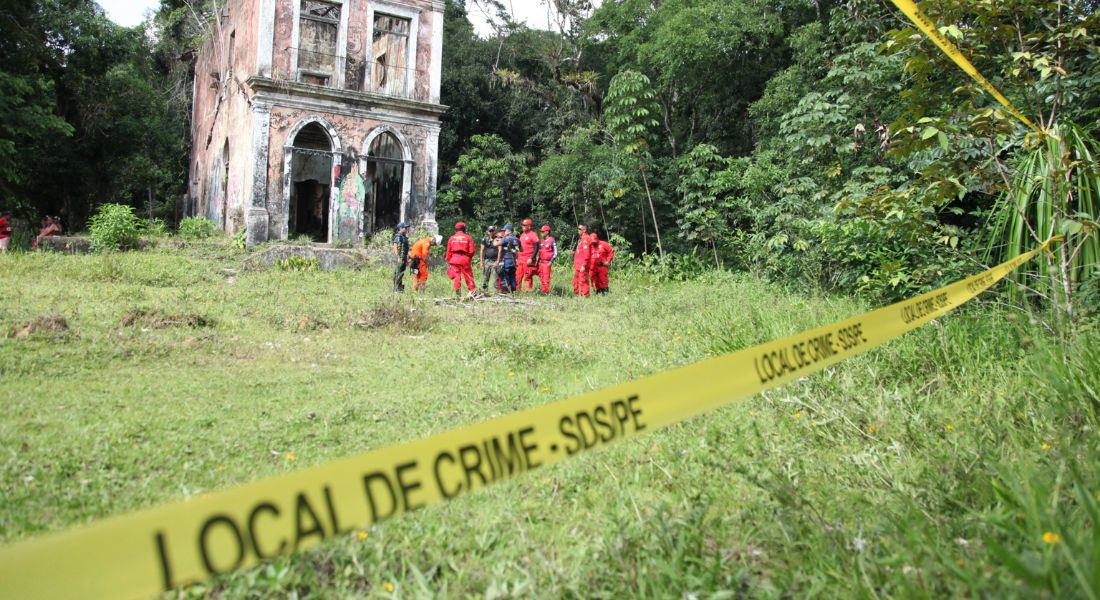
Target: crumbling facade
(318, 118)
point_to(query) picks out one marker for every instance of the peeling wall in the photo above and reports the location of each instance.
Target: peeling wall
(221, 112)
(350, 186)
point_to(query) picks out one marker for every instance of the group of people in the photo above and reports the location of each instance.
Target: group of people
(49, 226)
(509, 260)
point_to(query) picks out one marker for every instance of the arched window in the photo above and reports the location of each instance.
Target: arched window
(386, 172)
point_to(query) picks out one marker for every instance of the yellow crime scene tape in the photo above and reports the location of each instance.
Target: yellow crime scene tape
(162, 548)
(929, 28)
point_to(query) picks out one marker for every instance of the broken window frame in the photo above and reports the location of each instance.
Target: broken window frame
(389, 87)
(308, 12)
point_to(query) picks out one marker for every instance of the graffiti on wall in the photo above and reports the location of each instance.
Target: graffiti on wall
(350, 199)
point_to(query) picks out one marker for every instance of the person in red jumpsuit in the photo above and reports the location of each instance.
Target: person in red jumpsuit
(602, 255)
(581, 258)
(5, 232)
(527, 260)
(460, 249)
(548, 251)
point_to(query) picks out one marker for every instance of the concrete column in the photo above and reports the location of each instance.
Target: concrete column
(431, 180)
(406, 189)
(265, 42)
(437, 53)
(257, 211)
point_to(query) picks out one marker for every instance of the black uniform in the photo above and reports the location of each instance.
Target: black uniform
(488, 266)
(402, 242)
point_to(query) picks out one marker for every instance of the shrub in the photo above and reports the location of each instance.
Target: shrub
(297, 263)
(114, 227)
(196, 228)
(154, 228)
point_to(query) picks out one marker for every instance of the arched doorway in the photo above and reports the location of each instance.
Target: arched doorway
(310, 183)
(385, 173)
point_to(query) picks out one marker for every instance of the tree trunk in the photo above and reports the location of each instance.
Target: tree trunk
(652, 211)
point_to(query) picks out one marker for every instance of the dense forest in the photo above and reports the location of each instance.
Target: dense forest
(824, 143)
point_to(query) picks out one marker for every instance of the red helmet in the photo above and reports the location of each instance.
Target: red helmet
(546, 228)
(460, 225)
(528, 222)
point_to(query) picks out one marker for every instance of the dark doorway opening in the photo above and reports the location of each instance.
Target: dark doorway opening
(311, 209)
(311, 178)
(386, 174)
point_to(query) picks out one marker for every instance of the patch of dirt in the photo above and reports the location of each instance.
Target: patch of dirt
(153, 319)
(305, 323)
(47, 326)
(397, 316)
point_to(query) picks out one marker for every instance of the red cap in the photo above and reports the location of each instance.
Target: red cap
(528, 222)
(546, 228)
(593, 236)
(460, 225)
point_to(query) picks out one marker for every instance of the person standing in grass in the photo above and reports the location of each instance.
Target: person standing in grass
(527, 261)
(581, 258)
(5, 232)
(490, 253)
(418, 261)
(509, 247)
(400, 245)
(602, 255)
(460, 253)
(548, 251)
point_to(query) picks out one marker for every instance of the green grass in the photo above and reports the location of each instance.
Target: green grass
(930, 467)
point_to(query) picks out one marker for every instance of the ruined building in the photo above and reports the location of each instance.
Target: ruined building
(317, 118)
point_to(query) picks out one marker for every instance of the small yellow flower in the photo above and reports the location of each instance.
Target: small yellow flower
(1052, 538)
(1046, 446)
(798, 415)
(221, 468)
(545, 389)
(389, 587)
(871, 429)
(291, 457)
(949, 427)
(361, 535)
(511, 373)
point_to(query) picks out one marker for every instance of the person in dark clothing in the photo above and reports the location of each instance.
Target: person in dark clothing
(509, 247)
(401, 255)
(490, 253)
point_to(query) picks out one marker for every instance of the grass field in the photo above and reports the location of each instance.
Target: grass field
(960, 460)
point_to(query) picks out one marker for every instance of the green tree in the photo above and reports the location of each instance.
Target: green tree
(588, 181)
(704, 208)
(631, 114)
(85, 119)
(489, 183)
